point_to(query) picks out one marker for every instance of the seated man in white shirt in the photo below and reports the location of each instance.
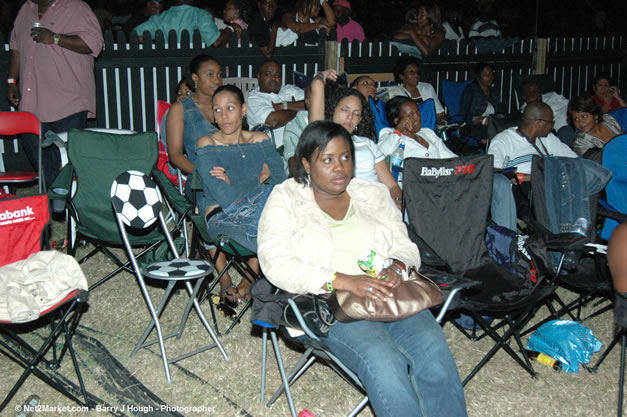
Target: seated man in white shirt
(272, 104)
(516, 146)
(530, 92)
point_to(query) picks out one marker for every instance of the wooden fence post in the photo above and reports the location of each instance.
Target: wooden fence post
(539, 66)
(331, 54)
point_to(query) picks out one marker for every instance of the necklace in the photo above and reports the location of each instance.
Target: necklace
(239, 140)
(205, 111)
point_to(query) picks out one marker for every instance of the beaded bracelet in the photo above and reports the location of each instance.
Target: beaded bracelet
(330, 283)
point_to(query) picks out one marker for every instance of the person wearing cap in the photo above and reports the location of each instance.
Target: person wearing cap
(51, 71)
(346, 27)
(144, 10)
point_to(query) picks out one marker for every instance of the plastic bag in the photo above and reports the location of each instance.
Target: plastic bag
(569, 342)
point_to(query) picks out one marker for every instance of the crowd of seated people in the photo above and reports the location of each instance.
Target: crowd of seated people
(337, 160)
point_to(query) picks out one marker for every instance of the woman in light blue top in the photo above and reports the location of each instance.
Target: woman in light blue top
(192, 117)
(238, 169)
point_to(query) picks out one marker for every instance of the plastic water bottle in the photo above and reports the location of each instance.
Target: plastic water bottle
(543, 359)
(580, 226)
(397, 164)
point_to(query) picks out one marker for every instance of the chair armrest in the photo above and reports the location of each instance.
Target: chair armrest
(565, 241)
(557, 241)
(607, 210)
(177, 200)
(63, 181)
(448, 282)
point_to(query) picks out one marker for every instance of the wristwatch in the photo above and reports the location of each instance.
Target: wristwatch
(56, 37)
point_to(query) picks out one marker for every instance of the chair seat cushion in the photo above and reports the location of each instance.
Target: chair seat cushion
(18, 176)
(181, 268)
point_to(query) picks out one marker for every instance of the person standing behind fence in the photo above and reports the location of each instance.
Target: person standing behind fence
(423, 37)
(305, 22)
(485, 26)
(184, 16)
(346, 27)
(51, 70)
(143, 11)
(264, 26)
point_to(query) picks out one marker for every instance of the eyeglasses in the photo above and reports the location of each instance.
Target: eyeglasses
(551, 122)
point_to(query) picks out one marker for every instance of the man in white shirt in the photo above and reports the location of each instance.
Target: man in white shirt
(516, 146)
(530, 92)
(272, 104)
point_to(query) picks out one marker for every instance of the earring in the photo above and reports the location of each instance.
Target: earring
(195, 85)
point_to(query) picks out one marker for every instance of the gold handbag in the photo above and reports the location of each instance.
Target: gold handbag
(416, 294)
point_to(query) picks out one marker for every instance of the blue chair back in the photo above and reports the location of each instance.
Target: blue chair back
(621, 117)
(378, 111)
(615, 159)
(452, 93)
(427, 113)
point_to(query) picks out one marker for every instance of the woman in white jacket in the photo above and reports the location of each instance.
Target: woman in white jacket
(311, 232)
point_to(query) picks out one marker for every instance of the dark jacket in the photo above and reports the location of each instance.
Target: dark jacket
(474, 102)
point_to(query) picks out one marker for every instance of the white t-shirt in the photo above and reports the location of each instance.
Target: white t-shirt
(450, 33)
(389, 142)
(367, 154)
(260, 106)
(559, 104)
(426, 91)
(511, 149)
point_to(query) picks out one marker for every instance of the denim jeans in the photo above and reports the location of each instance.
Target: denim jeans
(404, 48)
(405, 366)
(240, 219)
(50, 157)
(503, 206)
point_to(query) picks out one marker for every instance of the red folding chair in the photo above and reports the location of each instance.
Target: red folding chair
(34, 294)
(163, 164)
(15, 123)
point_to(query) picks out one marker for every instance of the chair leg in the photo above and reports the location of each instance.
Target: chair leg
(621, 376)
(514, 328)
(618, 337)
(264, 354)
(154, 323)
(31, 367)
(286, 385)
(305, 361)
(359, 407)
(202, 318)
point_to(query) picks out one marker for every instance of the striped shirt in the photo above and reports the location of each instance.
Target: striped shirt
(484, 29)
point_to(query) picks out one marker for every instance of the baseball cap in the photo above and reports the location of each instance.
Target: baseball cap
(342, 3)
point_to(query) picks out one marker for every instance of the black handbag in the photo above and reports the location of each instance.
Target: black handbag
(315, 312)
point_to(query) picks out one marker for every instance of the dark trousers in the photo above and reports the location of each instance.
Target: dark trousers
(51, 159)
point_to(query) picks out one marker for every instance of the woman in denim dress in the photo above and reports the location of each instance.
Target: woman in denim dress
(238, 169)
(192, 117)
